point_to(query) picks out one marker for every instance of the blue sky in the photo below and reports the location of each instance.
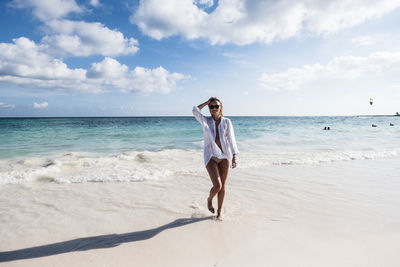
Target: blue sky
(153, 57)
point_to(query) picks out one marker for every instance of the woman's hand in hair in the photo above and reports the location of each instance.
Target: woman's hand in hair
(204, 104)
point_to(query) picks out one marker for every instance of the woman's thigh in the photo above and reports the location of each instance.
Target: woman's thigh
(212, 169)
(223, 170)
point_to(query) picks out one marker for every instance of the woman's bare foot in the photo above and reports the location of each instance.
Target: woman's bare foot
(219, 216)
(210, 206)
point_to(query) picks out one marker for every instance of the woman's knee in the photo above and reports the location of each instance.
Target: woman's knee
(222, 189)
(217, 187)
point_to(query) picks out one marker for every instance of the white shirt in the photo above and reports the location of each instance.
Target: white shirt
(226, 136)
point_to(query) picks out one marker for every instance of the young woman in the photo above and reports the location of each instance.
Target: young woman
(220, 148)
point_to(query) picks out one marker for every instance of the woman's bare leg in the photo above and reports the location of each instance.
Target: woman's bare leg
(223, 169)
(212, 168)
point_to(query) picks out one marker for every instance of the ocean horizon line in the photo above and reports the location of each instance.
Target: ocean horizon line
(188, 116)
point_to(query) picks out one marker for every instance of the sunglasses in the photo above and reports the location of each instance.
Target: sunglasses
(212, 106)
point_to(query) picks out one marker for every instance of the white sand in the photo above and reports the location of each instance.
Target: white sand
(333, 214)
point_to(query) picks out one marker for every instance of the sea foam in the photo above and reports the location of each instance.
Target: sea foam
(85, 167)
(136, 166)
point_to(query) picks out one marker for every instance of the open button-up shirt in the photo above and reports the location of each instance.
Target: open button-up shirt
(226, 136)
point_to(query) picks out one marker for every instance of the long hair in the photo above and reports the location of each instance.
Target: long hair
(220, 102)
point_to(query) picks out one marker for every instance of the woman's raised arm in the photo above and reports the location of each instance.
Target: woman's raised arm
(197, 112)
(204, 104)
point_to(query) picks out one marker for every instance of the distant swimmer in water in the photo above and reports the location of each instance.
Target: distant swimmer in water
(391, 124)
(220, 149)
(374, 125)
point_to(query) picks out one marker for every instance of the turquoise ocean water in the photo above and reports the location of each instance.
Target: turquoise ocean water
(73, 146)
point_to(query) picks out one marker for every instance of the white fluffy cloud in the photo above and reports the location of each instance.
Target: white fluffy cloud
(94, 3)
(110, 72)
(109, 68)
(40, 105)
(344, 67)
(24, 63)
(153, 80)
(5, 105)
(79, 38)
(48, 9)
(66, 38)
(247, 21)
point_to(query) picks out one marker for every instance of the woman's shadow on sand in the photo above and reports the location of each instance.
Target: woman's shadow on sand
(94, 242)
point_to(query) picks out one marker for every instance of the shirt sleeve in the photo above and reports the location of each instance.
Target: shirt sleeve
(232, 139)
(199, 117)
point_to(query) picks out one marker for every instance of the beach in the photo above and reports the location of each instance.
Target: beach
(338, 214)
(295, 204)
